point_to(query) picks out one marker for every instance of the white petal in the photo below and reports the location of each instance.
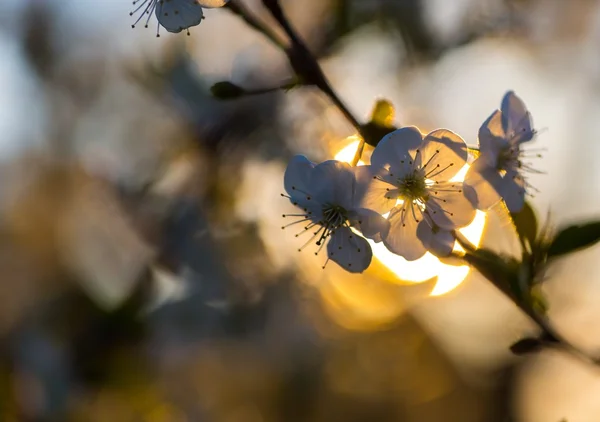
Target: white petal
(492, 138)
(296, 179)
(439, 242)
(350, 251)
(209, 4)
(513, 191)
(442, 154)
(393, 151)
(371, 224)
(402, 238)
(516, 120)
(482, 185)
(177, 15)
(372, 193)
(448, 206)
(333, 182)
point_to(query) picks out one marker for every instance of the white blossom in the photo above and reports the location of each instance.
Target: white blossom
(498, 171)
(325, 193)
(173, 15)
(409, 177)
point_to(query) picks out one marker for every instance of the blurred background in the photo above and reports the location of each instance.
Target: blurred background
(144, 275)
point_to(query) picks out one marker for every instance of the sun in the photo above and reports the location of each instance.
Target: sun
(448, 276)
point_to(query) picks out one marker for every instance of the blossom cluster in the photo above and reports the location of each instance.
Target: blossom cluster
(410, 197)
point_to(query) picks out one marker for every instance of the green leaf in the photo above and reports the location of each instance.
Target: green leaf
(525, 346)
(526, 223)
(574, 238)
(226, 90)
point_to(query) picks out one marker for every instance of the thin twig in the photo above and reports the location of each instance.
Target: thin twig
(303, 62)
(241, 10)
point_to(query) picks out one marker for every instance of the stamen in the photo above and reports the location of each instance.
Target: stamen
(308, 242)
(148, 10)
(436, 172)
(437, 151)
(412, 208)
(294, 223)
(320, 247)
(301, 191)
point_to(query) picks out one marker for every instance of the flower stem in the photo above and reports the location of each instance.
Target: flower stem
(286, 86)
(304, 63)
(241, 10)
(498, 273)
(358, 154)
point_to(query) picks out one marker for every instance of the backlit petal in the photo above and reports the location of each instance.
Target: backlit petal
(209, 4)
(492, 139)
(439, 242)
(296, 179)
(482, 185)
(513, 191)
(177, 15)
(333, 182)
(371, 224)
(448, 206)
(371, 192)
(393, 151)
(442, 154)
(516, 120)
(402, 238)
(350, 251)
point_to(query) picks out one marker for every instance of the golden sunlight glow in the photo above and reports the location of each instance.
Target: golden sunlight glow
(448, 277)
(346, 154)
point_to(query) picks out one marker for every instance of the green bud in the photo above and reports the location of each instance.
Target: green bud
(525, 346)
(226, 90)
(380, 124)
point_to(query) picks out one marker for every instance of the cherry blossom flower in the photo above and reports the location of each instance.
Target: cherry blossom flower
(409, 177)
(498, 171)
(173, 15)
(326, 195)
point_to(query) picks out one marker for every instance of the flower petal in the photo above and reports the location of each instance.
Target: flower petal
(371, 192)
(482, 184)
(209, 4)
(350, 251)
(442, 154)
(439, 242)
(513, 191)
(402, 238)
(296, 179)
(492, 139)
(333, 182)
(516, 120)
(371, 224)
(393, 151)
(177, 15)
(448, 206)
